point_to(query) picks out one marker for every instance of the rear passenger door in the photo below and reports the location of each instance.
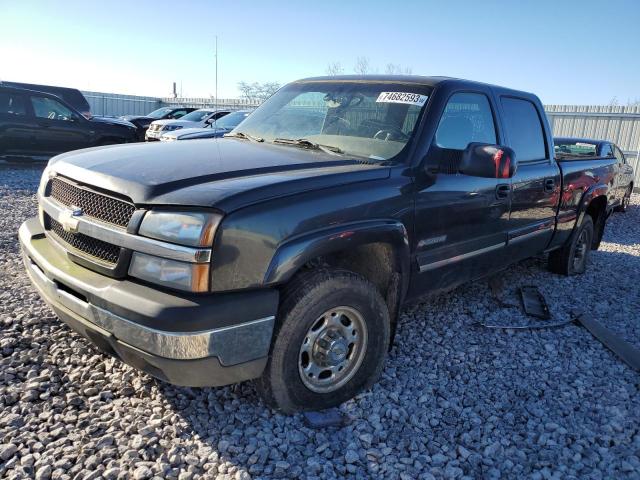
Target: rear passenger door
(460, 220)
(535, 188)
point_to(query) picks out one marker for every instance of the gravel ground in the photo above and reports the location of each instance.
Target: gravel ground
(455, 401)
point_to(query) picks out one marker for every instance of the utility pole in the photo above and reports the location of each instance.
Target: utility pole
(216, 104)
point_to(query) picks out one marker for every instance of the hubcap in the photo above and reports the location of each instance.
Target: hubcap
(581, 250)
(332, 350)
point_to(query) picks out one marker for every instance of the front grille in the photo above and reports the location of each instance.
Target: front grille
(92, 247)
(96, 205)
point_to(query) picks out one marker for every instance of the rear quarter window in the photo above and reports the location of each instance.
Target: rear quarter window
(524, 130)
(12, 104)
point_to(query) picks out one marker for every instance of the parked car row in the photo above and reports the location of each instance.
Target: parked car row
(40, 121)
(196, 119)
(142, 122)
(213, 129)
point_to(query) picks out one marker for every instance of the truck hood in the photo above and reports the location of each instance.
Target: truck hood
(225, 173)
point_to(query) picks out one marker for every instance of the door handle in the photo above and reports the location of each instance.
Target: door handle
(502, 191)
(549, 185)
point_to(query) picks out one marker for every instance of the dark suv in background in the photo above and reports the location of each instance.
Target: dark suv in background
(37, 125)
(72, 96)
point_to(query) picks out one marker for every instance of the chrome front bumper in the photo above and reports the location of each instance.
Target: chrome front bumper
(71, 290)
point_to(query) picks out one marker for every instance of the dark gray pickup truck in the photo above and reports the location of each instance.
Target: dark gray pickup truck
(284, 252)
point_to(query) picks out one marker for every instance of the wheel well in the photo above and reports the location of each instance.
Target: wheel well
(378, 263)
(597, 209)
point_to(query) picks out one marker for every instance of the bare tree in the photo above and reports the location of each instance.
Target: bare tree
(258, 92)
(614, 102)
(334, 69)
(396, 69)
(362, 66)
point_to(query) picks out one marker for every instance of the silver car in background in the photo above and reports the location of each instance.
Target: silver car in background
(195, 119)
(214, 129)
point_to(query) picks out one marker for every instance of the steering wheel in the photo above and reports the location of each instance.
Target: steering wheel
(391, 133)
(331, 119)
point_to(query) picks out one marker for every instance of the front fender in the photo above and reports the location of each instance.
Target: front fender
(298, 251)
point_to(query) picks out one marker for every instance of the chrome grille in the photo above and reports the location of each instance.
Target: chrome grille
(96, 205)
(92, 247)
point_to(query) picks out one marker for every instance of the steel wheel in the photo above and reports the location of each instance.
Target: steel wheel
(332, 349)
(582, 248)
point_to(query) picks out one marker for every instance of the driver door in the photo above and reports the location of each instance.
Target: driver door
(59, 129)
(460, 220)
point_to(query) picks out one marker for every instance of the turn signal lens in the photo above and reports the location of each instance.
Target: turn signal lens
(191, 277)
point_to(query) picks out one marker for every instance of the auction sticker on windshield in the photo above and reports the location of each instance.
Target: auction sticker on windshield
(402, 97)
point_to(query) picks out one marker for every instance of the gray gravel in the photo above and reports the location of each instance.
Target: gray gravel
(455, 401)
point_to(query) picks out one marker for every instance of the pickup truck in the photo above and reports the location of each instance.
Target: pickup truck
(284, 251)
(570, 148)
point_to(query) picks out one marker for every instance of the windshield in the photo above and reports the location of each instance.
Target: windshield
(159, 113)
(371, 119)
(197, 115)
(232, 120)
(575, 149)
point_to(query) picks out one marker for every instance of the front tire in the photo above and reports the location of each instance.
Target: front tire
(330, 342)
(572, 259)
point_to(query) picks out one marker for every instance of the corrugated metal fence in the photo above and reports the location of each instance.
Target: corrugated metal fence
(230, 103)
(618, 124)
(114, 104)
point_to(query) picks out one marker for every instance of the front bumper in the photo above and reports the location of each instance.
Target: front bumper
(153, 135)
(190, 340)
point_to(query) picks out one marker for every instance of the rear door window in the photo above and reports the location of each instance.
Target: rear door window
(45, 107)
(524, 129)
(12, 104)
(606, 150)
(619, 155)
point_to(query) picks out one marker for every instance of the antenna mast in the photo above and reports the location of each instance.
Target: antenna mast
(216, 104)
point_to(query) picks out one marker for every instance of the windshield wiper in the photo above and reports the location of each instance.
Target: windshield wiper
(244, 135)
(306, 143)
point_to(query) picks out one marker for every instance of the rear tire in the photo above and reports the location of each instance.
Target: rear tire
(626, 200)
(330, 342)
(572, 259)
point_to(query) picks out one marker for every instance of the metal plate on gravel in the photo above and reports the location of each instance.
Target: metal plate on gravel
(534, 303)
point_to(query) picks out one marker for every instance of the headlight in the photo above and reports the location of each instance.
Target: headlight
(193, 229)
(47, 174)
(192, 277)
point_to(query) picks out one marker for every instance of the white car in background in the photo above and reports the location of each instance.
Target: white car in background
(215, 129)
(195, 119)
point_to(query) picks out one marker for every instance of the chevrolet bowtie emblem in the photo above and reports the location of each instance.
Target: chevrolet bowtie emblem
(69, 219)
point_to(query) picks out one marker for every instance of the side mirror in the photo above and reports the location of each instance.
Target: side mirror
(210, 121)
(488, 161)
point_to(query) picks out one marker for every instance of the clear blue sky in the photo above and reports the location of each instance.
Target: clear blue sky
(575, 52)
